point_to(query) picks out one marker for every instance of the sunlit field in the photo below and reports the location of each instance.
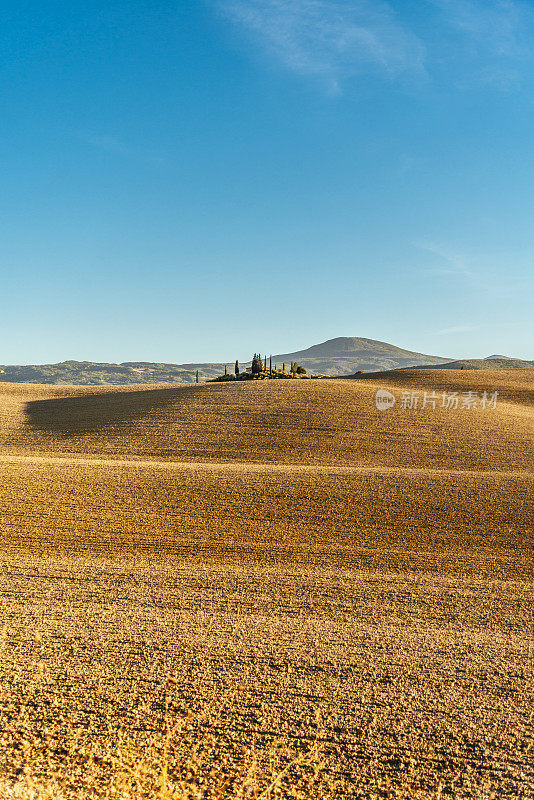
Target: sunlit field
(267, 590)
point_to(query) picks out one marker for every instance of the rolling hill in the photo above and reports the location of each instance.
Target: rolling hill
(240, 574)
(492, 362)
(346, 354)
(314, 422)
(335, 357)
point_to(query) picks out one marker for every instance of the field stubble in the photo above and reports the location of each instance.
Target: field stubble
(249, 630)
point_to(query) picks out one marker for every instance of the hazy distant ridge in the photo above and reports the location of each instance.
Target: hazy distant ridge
(346, 354)
(341, 356)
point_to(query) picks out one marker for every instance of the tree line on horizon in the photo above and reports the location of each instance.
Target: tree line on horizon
(260, 367)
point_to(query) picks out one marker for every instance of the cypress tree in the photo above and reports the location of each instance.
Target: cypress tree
(236, 370)
(257, 366)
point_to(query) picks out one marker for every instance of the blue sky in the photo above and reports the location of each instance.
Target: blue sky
(193, 181)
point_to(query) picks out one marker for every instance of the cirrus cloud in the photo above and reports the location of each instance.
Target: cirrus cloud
(475, 41)
(330, 40)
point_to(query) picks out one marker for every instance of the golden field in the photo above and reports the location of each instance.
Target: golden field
(267, 589)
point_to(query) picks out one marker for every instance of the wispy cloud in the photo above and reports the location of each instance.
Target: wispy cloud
(450, 262)
(331, 40)
(485, 273)
(495, 25)
(467, 328)
(494, 35)
(476, 41)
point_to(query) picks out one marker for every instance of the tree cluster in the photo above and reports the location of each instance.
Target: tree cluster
(257, 364)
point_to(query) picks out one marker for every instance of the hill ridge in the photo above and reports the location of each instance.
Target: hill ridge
(334, 357)
(341, 356)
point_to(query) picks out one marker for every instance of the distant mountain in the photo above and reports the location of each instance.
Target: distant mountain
(335, 357)
(92, 373)
(348, 354)
(342, 356)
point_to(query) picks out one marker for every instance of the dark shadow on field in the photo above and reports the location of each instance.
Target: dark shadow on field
(72, 416)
